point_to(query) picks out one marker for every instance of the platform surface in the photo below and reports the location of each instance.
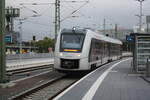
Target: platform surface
(113, 81)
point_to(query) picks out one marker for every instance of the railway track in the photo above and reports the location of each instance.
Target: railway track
(26, 72)
(23, 70)
(47, 90)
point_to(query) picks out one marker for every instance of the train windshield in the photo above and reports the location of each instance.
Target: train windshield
(72, 42)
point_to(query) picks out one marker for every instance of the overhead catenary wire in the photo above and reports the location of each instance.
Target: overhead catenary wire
(77, 11)
(34, 11)
(34, 23)
(39, 23)
(89, 17)
(30, 9)
(74, 11)
(36, 3)
(67, 2)
(74, 8)
(74, 1)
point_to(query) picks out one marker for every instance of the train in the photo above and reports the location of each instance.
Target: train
(84, 50)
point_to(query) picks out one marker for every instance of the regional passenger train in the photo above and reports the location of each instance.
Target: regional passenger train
(84, 49)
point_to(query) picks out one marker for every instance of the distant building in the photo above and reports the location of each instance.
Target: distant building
(121, 34)
(144, 29)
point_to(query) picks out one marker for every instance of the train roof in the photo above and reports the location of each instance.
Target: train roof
(105, 38)
(83, 31)
(97, 34)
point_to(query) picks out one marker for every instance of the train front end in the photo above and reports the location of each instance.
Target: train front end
(69, 55)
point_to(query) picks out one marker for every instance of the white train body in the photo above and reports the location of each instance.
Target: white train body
(77, 50)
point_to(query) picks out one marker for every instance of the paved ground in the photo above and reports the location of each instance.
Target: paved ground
(113, 81)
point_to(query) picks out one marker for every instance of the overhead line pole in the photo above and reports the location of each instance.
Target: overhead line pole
(2, 44)
(57, 17)
(20, 39)
(104, 26)
(116, 30)
(141, 14)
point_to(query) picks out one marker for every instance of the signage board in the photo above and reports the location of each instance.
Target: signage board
(12, 12)
(129, 38)
(8, 39)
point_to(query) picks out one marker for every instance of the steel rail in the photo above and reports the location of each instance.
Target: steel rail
(34, 89)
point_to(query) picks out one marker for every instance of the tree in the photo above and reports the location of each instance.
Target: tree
(44, 44)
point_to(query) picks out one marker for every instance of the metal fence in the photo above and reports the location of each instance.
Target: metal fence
(29, 56)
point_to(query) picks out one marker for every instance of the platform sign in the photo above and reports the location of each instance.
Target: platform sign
(8, 39)
(129, 38)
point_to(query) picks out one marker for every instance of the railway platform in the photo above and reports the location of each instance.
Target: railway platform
(113, 81)
(28, 63)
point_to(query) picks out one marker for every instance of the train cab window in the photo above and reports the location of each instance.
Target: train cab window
(71, 42)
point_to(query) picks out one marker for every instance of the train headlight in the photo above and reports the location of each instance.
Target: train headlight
(78, 55)
(73, 29)
(61, 54)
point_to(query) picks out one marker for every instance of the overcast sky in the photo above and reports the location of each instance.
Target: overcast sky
(92, 14)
